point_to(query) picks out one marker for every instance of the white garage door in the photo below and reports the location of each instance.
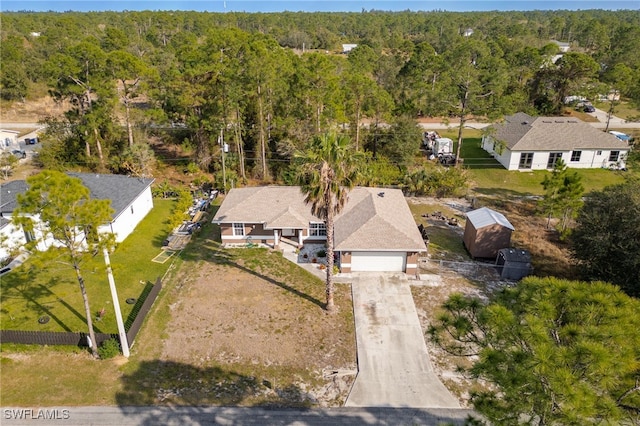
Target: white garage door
(380, 261)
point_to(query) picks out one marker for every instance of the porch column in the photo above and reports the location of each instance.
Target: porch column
(275, 238)
(300, 237)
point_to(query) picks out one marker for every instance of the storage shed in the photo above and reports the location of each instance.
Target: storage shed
(516, 263)
(486, 232)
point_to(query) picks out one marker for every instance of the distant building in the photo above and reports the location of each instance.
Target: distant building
(8, 139)
(564, 47)
(346, 48)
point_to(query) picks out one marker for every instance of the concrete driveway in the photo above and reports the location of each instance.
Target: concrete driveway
(394, 369)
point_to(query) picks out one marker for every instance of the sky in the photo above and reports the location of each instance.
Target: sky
(312, 5)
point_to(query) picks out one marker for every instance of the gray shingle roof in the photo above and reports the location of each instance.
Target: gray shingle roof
(522, 132)
(485, 217)
(372, 219)
(8, 193)
(120, 189)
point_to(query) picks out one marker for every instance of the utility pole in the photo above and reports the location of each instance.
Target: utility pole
(224, 147)
(124, 344)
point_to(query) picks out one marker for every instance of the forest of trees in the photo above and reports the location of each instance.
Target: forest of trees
(266, 84)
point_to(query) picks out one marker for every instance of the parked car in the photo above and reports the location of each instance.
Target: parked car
(31, 141)
(19, 153)
(588, 108)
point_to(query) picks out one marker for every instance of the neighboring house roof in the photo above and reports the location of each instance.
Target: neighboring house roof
(121, 190)
(372, 218)
(8, 193)
(522, 132)
(484, 216)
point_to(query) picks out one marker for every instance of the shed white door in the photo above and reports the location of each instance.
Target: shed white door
(378, 261)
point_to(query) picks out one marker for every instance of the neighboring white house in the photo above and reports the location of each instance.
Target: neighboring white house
(130, 198)
(9, 139)
(523, 142)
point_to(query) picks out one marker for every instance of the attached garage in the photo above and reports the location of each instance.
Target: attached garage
(378, 261)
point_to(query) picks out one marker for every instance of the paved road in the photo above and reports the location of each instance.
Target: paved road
(188, 416)
(614, 123)
(394, 369)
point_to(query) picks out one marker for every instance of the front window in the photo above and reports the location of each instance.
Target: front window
(238, 229)
(318, 230)
(526, 158)
(553, 159)
(575, 155)
(614, 155)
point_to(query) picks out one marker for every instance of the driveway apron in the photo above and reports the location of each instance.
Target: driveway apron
(394, 369)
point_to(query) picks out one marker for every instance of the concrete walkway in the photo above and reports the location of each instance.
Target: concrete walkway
(394, 369)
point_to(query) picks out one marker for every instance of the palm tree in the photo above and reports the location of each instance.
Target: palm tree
(328, 171)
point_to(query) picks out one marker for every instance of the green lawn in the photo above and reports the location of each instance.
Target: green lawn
(50, 287)
(489, 177)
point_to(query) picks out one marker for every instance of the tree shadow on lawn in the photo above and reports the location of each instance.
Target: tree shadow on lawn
(168, 392)
(171, 383)
(35, 295)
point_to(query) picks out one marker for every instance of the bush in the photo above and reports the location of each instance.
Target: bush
(321, 253)
(109, 349)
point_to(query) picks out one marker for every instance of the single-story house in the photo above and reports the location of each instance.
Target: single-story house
(374, 232)
(130, 198)
(515, 263)
(486, 232)
(8, 139)
(523, 142)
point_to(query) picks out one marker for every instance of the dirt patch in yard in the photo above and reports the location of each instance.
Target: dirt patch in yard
(253, 313)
